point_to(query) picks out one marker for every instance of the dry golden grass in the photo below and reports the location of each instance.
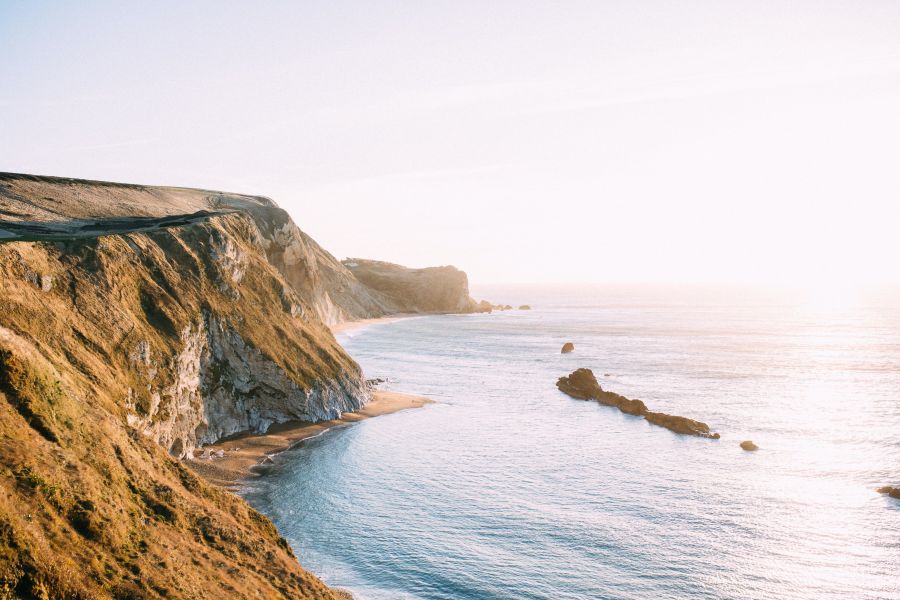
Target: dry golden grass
(90, 508)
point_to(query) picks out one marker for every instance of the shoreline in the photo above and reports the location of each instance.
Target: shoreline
(245, 456)
(348, 326)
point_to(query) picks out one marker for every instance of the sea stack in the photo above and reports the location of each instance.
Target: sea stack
(568, 347)
(749, 446)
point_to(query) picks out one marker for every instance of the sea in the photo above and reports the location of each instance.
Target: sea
(507, 488)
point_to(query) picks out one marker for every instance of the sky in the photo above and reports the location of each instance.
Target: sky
(558, 141)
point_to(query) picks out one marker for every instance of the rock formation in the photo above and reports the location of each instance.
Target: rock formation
(137, 324)
(525, 307)
(582, 385)
(54, 208)
(893, 492)
(568, 347)
(483, 307)
(749, 446)
(404, 290)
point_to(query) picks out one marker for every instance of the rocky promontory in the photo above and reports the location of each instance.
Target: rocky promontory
(405, 290)
(582, 385)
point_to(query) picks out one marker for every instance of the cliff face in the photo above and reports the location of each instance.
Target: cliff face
(119, 351)
(405, 290)
(36, 207)
(136, 324)
(198, 334)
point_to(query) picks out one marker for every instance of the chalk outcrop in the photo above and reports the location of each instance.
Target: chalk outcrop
(582, 385)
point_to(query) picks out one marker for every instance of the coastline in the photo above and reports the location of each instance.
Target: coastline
(348, 326)
(244, 456)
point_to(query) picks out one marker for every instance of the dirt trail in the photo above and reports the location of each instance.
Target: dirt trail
(16, 231)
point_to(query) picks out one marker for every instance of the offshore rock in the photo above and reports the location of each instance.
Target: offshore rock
(749, 446)
(681, 425)
(483, 307)
(893, 492)
(582, 385)
(568, 347)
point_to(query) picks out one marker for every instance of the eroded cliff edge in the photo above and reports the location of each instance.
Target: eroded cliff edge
(137, 323)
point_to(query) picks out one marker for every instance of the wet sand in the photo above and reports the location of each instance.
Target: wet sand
(246, 456)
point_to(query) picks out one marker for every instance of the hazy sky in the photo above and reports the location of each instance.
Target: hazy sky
(520, 141)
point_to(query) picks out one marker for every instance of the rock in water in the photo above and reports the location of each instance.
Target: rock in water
(568, 347)
(749, 446)
(483, 307)
(893, 492)
(681, 425)
(582, 385)
(525, 307)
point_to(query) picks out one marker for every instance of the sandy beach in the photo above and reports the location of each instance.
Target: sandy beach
(246, 456)
(348, 326)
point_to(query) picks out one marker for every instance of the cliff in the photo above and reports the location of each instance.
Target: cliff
(136, 324)
(39, 207)
(405, 290)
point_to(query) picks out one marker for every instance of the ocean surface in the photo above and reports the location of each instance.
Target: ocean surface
(506, 488)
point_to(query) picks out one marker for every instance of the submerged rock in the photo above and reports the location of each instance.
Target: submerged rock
(893, 492)
(749, 446)
(568, 347)
(582, 385)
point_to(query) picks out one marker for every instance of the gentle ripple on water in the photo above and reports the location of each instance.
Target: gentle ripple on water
(508, 489)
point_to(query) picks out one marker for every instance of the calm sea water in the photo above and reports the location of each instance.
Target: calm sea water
(506, 488)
